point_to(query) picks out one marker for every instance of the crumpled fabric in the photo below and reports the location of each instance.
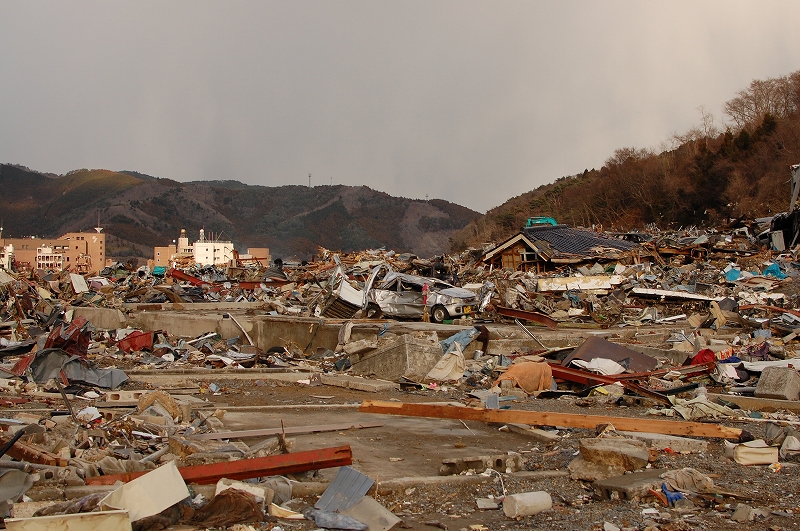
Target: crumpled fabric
(703, 356)
(47, 364)
(700, 408)
(231, 506)
(774, 270)
(13, 484)
(180, 512)
(758, 351)
(344, 335)
(733, 275)
(87, 504)
(111, 465)
(531, 377)
(687, 480)
(602, 366)
(450, 367)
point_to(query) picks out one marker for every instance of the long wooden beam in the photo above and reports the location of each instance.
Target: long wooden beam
(546, 418)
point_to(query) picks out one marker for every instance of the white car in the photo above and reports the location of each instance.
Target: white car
(400, 295)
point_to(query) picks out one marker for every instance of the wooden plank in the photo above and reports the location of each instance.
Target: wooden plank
(290, 430)
(546, 418)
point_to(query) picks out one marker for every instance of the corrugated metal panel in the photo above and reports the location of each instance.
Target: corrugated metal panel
(345, 490)
(340, 309)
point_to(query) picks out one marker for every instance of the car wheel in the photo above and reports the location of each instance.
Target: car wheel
(439, 314)
(373, 311)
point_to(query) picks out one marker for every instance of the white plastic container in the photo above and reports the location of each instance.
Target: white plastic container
(526, 503)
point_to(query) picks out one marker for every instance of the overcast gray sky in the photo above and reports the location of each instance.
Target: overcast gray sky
(473, 102)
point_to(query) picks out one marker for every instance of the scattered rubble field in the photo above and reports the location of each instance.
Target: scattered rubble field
(605, 382)
(454, 504)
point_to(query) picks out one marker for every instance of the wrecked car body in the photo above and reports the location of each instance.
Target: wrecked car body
(403, 295)
(396, 295)
(341, 300)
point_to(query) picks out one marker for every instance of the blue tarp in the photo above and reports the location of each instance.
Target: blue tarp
(733, 275)
(774, 270)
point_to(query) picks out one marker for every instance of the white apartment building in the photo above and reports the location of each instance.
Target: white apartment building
(212, 252)
(46, 258)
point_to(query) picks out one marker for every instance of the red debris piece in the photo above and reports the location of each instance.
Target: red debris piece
(136, 341)
(71, 337)
(272, 465)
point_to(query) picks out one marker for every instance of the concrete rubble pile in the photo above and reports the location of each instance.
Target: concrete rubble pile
(667, 277)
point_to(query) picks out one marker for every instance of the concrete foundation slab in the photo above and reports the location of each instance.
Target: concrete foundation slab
(358, 384)
(408, 357)
(781, 383)
(538, 435)
(660, 442)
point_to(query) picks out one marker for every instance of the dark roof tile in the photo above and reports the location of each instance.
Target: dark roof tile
(574, 241)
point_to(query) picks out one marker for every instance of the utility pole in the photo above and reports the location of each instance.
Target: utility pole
(309, 180)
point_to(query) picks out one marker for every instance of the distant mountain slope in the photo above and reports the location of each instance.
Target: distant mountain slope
(141, 211)
(37, 204)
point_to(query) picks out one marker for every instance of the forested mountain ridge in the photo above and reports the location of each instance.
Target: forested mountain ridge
(140, 212)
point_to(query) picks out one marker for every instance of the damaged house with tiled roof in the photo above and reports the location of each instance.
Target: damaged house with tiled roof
(545, 246)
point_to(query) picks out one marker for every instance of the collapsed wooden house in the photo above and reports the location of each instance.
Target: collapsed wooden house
(546, 247)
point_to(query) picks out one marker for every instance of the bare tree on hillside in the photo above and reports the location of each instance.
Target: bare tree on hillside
(779, 97)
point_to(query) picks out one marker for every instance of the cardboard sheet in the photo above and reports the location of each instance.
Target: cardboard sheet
(149, 494)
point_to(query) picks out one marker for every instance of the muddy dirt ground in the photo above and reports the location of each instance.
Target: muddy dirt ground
(410, 446)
